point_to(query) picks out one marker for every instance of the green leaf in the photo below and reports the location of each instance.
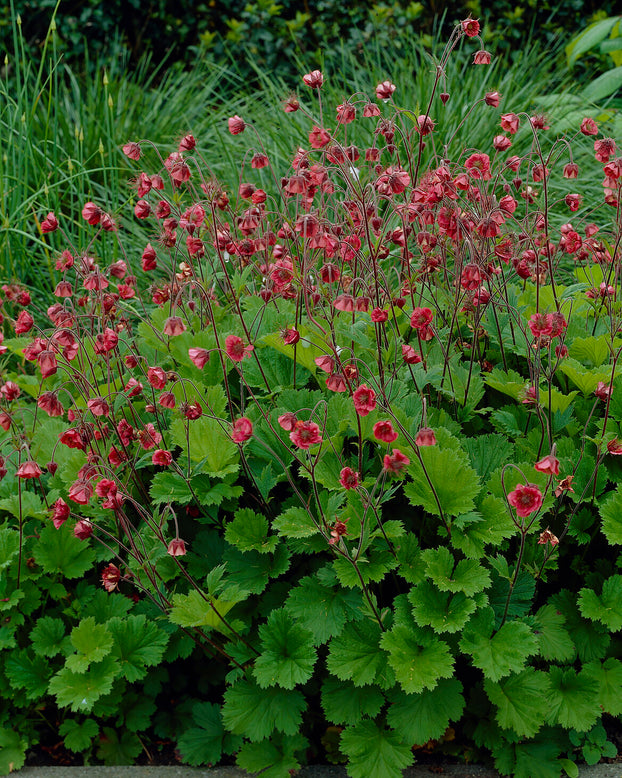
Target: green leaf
(355, 656)
(611, 515)
(426, 716)
(374, 752)
(489, 525)
(520, 598)
(249, 532)
(572, 699)
(205, 742)
(9, 546)
(590, 638)
(168, 487)
(554, 642)
(251, 570)
(455, 495)
(501, 653)
(418, 658)
(521, 701)
(287, 652)
(345, 703)
(591, 352)
(273, 758)
(608, 676)
(295, 523)
(12, 751)
(606, 608)
(137, 711)
(91, 641)
(589, 38)
(193, 610)
(138, 644)
(59, 551)
(373, 567)
(78, 737)
(254, 712)
(31, 673)
(409, 556)
(118, 750)
(209, 445)
(603, 86)
(532, 759)
(487, 453)
(80, 691)
(443, 611)
(585, 380)
(466, 576)
(47, 636)
(322, 610)
(27, 505)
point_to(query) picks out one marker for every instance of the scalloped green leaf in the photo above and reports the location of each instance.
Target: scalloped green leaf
(521, 701)
(321, 609)
(206, 741)
(287, 653)
(249, 532)
(611, 514)
(254, 712)
(466, 576)
(443, 611)
(91, 641)
(374, 751)
(345, 703)
(426, 716)
(606, 607)
(417, 657)
(451, 496)
(572, 699)
(59, 551)
(355, 655)
(608, 676)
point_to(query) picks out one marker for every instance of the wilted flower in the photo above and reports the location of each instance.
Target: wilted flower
(111, 575)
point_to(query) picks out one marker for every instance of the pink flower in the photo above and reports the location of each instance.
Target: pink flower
(28, 469)
(235, 348)
(346, 113)
(603, 391)
(478, 166)
(510, 122)
(348, 478)
(50, 223)
(395, 462)
(242, 430)
(425, 437)
(83, 529)
(571, 170)
(47, 363)
(174, 326)
(540, 325)
(92, 213)
(364, 400)
(305, 434)
(149, 437)
(60, 513)
(526, 498)
(385, 90)
(23, 323)
(236, 125)
(81, 492)
(199, 357)
(383, 430)
(111, 575)
(318, 138)
(337, 532)
(156, 377)
(492, 98)
(315, 79)
(589, 127)
(548, 464)
(287, 421)
(132, 150)
(379, 315)
(481, 58)
(325, 363)
(420, 318)
(176, 547)
(290, 337)
(49, 402)
(501, 143)
(336, 383)
(547, 537)
(161, 457)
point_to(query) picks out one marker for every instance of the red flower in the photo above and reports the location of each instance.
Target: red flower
(379, 315)
(161, 458)
(603, 390)
(325, 363)
(50, 223)
(540, 325)
(242, 430)
(470, 27)
(409, 355)
(236, 125)
(92, 214)
(132, 150)
(395, 462)
(549, 465)
(425, 437)
(614, 447)
(383, 430)
(83, 529)
(336, 383)
(318, 138)
(149, 437)
(23, 323)
(420, 318)
(176, 547)
(60, 513)
(305, 434)
(478, 166)
(364, 400)
(492, 98)
(510, 122)
(348, 478)
(337, 531)
(81, 492)
(156, 377)
(174, 326)
(28, 469)
(235, 348)
(47, 363)
(49, 402)
(290, 337)
(346, 113)
(111, 576)
(526, 498)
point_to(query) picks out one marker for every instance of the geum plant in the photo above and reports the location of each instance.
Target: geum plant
(353, 428)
